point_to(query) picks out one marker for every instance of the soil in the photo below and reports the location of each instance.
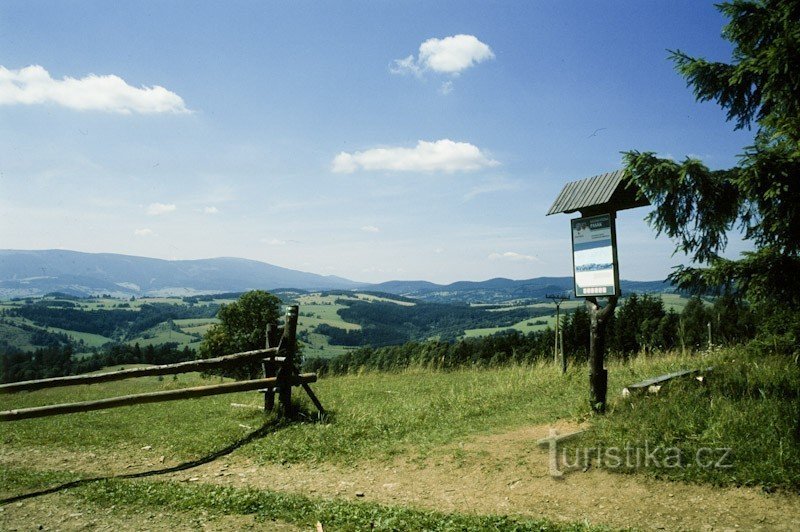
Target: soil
(504, 473)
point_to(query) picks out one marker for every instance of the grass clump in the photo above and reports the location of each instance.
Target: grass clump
(737, 429)
(335, 514)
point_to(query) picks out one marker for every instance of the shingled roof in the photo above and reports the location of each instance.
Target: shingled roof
(601, 193)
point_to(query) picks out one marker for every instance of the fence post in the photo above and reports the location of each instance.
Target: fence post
(269, 366)
(286, 370)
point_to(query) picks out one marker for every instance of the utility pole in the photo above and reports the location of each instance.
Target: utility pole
(558, 299)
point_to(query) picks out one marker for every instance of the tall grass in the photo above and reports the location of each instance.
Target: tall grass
(336, 514)
(748, 405)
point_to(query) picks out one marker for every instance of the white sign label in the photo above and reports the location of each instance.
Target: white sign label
(593, 256)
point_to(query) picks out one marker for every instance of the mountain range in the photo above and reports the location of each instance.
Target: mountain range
(26, 273)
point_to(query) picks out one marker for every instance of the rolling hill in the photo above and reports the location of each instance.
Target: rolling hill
(39, 272)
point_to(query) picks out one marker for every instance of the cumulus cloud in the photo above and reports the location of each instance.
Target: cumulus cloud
(370, 229)
(156, 209)
(439, 156)
(451, 55)
(33, 85)
(513, 256)
(143, 232)
(210, 210)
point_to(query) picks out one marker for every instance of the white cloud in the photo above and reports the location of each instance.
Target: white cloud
(439, 156)
(210, 210)
(156, 209)
(446, 87)
(370, 229)
(33, 85)
(513, 256)
(407, 65)
(143, 232)
(496, 185)
(451, 55)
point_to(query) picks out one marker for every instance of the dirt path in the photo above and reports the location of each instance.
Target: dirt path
(505, 473)
(508, 473)
(64, 512)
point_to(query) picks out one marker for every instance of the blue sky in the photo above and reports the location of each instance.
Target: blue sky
(370, 140)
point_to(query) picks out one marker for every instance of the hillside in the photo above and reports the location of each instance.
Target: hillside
(39, 272)
(35, 273)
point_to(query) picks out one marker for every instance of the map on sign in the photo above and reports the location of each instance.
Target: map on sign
(593, 256)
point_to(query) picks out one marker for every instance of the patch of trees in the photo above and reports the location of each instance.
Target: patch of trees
(496, 350)
(112, 323)
(384, 323)
(38, 337)
(242, 327)
(58, 361)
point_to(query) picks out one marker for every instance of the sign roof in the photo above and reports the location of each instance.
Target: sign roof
(602, 193)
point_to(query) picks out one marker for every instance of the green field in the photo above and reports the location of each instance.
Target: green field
(196, 325)
(163, 333)
(408, 440)
(316, 309)
(16, 336)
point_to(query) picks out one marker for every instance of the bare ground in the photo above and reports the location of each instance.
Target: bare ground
(505, 473)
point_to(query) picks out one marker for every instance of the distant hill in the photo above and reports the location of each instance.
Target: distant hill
(34, 273)
(500, 289)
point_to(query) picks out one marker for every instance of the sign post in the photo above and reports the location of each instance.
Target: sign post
(594, 258)
(596, 274)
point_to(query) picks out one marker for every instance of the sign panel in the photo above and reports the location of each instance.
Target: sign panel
(594, 256)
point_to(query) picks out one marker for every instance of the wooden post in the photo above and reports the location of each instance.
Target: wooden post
(288, 346)
(558, 324)
(558, 352)
(269, 366)
(598, 375)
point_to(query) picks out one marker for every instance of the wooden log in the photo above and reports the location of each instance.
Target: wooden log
(653, 385)
(166, 369)
(152, 397)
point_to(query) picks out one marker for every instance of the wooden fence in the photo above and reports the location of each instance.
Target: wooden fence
(280, 375)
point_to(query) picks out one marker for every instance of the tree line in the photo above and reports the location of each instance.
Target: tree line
(641, 324)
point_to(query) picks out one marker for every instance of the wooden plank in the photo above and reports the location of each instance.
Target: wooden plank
(152, 397)
(166, 369)
(655, 381)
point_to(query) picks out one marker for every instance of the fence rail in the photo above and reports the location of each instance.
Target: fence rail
(280, 375)
(152, 371)
(152, 397)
